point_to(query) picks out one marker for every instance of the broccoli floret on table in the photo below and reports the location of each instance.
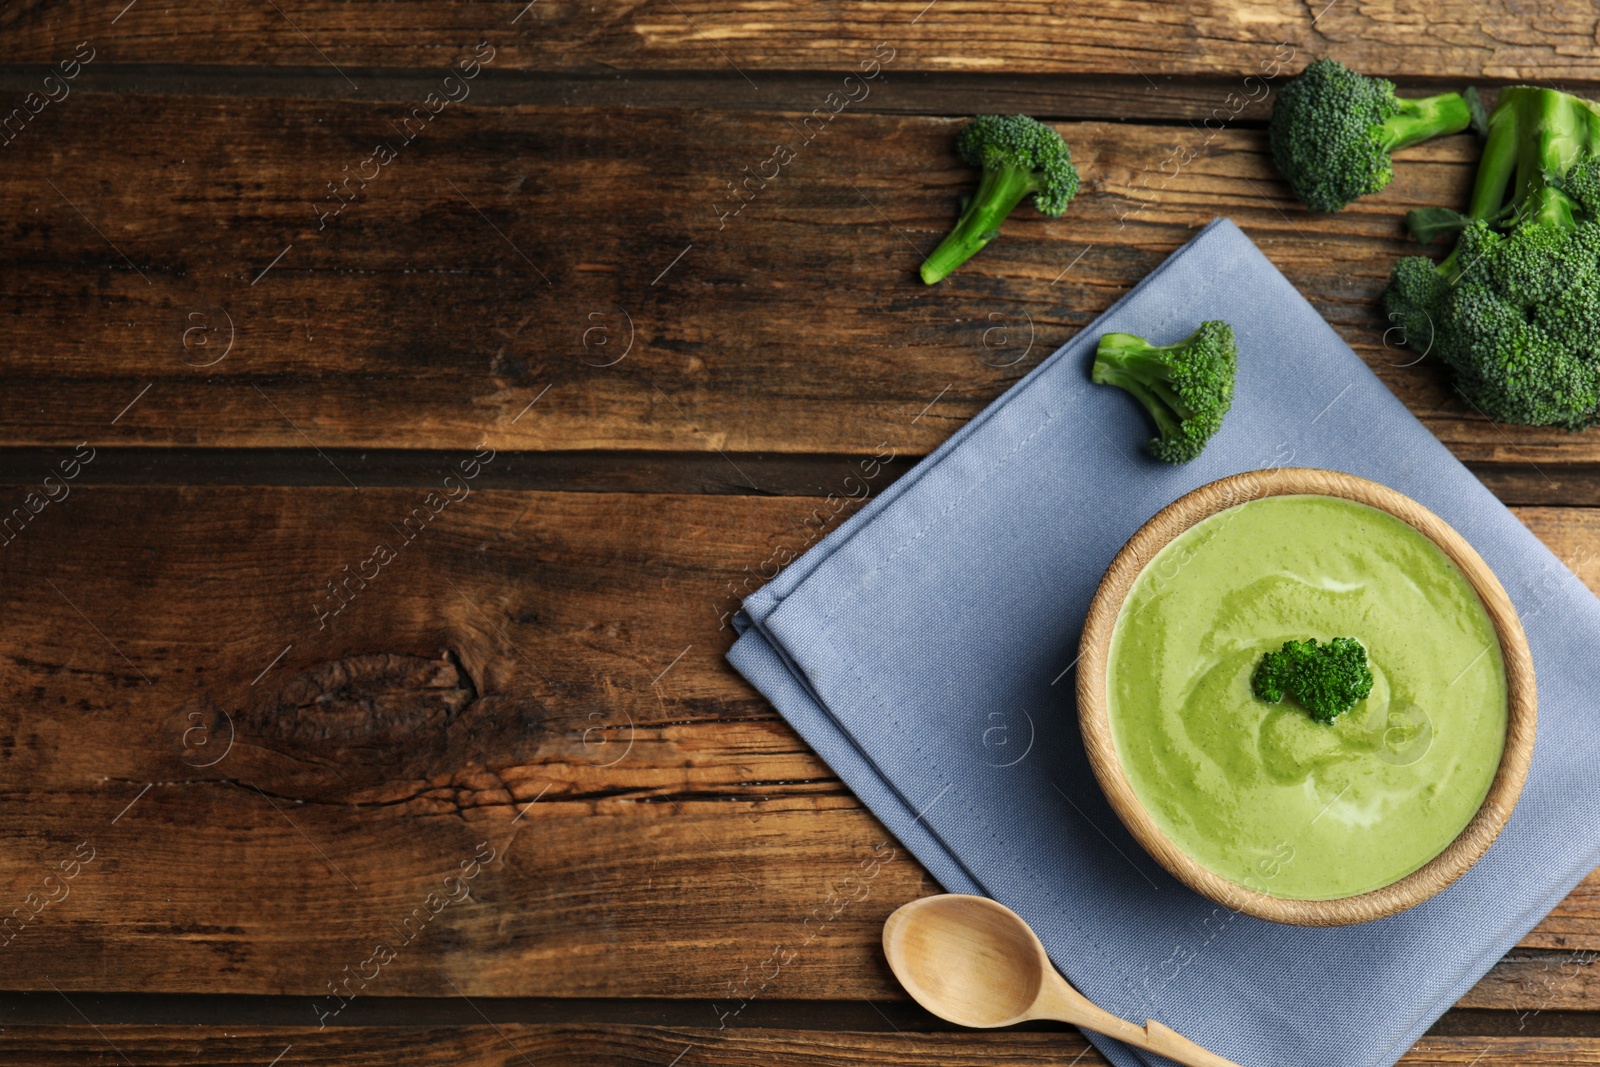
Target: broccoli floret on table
(1327, 680)
(1019, 156)
(1332, 131)
(1186, 387)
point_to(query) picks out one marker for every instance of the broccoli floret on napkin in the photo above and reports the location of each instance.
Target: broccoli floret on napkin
(1187, 387)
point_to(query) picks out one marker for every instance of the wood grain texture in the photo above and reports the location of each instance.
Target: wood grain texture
(420, 317)
(539, 673)
(520, 650)
(1531, 983)
(559, 649)
(1099, 741)
(1045, 96)
(1456, 38)
(510, 1045)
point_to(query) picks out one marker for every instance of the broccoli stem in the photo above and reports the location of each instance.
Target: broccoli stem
(1534, 134)
(1425, 118)
(999, 192)
(1134, 364)
(1131, 350)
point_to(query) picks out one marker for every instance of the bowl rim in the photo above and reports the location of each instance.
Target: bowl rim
(1094, 719)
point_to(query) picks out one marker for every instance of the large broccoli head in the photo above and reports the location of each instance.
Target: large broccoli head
(1332, 131)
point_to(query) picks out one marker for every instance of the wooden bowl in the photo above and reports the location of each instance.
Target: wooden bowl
(1094, 718)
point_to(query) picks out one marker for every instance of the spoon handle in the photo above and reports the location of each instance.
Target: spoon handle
(1060, 1001)
(1175, 1046)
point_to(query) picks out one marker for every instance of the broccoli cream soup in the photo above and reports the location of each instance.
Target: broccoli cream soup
(1263, 794)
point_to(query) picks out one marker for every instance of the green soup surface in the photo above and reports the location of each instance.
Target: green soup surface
(1261, 794)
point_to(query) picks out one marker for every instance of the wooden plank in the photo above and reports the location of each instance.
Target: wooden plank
(1532, 983)
(1053, 97)
(1488, 39)
(1502, 1051)
(608, 471)
(1046, 96)
(444, 300)
(508, 1045)
(540, 672)
(1549, 484)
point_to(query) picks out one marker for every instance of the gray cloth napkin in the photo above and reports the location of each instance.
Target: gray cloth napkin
(924, 649)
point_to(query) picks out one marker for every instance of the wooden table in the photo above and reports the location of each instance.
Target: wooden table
(398, 398)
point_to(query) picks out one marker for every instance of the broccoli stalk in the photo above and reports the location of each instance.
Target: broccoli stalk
(1514, 309)
(1019, 156)
(1332, 131)
(1422, 118)
(1000, 190)
(1327, 680)
(1186, 387)
(1535, 136)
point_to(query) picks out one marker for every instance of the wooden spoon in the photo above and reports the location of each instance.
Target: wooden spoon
(974, 962)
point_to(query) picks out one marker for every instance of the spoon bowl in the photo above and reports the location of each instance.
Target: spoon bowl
(974, 958)
(974, 962)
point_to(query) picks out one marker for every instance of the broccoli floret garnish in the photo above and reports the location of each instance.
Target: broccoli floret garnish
(1327, 680)
(1515, 308)
(1332, 131)
(1019, 156)
(1187, 387)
